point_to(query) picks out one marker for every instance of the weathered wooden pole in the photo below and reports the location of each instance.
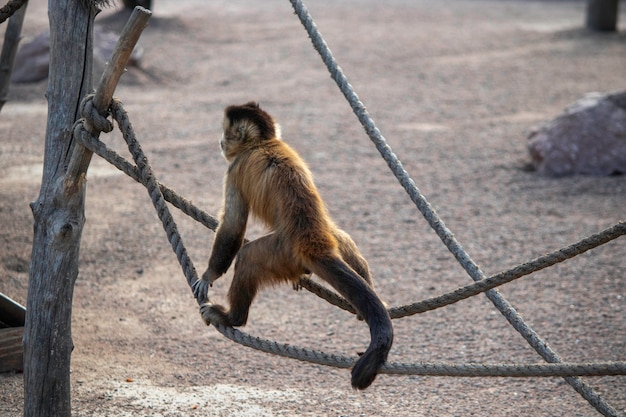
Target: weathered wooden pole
(59, 217)
(602, 15)
(59, 211)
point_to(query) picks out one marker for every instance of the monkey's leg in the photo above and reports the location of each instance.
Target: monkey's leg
(261, 262)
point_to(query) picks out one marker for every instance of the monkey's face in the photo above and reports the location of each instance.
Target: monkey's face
(232, 141)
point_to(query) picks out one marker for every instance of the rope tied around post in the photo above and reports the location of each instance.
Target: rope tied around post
(92, 116)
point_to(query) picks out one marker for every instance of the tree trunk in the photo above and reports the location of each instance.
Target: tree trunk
(59, 217)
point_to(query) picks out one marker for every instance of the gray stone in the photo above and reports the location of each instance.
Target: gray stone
(32, 59)
(588, 138)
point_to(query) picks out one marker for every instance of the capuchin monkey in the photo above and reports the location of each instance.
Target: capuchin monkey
(268, 179)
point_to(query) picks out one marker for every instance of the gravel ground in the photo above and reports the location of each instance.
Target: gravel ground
(455, 87)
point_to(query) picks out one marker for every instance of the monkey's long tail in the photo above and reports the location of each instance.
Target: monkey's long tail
(367, 304)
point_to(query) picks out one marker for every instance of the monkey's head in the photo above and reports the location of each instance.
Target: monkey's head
(245, 127)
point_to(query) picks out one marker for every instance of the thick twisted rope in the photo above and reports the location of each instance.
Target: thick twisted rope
(99, 148)
(505, 308)
(381, 144)
(143, 173)
(428, 369)
(501, 278)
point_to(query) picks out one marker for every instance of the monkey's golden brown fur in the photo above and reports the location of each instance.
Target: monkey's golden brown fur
(268, 179)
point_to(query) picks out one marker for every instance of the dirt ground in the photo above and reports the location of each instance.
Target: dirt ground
(455, 87)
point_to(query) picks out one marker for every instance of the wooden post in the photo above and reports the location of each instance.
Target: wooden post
(602, 15)
(59, 213)
(59, 217)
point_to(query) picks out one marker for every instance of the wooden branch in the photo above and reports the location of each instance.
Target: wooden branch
(81, 157)
(10, 8)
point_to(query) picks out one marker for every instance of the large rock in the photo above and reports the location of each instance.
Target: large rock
(32, 60)
(588, 138)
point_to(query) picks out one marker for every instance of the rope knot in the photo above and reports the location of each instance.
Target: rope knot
(99, 122)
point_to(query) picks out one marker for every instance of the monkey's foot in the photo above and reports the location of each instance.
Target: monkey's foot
(297, 284)
(214, 313)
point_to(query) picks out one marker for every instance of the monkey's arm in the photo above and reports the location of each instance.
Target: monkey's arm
(228, 240)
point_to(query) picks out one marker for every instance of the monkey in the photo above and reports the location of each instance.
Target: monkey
(266, 178)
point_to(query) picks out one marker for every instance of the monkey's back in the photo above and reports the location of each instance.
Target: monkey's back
(279, 189)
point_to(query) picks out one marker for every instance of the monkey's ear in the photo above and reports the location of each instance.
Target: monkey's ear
(277, 131)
